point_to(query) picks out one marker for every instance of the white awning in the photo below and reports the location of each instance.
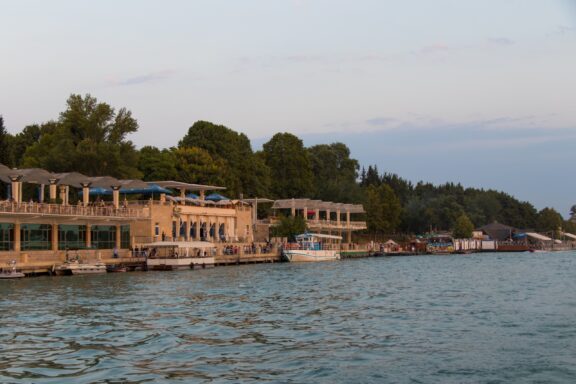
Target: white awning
(569, 235)
(179, 244)
(538, 236)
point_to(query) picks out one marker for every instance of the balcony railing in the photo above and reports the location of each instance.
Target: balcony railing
(70, 210)
(326, 224)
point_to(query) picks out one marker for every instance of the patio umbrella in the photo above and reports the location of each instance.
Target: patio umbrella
(216, 197)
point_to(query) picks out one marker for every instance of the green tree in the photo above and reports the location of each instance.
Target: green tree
(246, 173)
(334, 172)
(4, 142)
(290, 166)
(383, 209)
(156, 164)
(463, 227)
(549, 220)
(195, 165)
(573, 213)
(289, 227)
(89, 137)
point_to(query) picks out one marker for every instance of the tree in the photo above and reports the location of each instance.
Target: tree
(334, 172)
(549, 220)
(383, 209)
(463, 228)
(289, 227)
(246, 172)
(156, 164)
(573, 213)
(195, 165)
(290, 167)
(90, 138)
(4, 154)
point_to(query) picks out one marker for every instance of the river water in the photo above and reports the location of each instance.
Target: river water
(486, 318)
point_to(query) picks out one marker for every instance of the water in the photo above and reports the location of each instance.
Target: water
(492, 318)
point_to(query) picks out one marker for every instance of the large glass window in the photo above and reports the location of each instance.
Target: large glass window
(6, 237)
(103, 236)
(125, 236)
(35, 237)
(71, 236)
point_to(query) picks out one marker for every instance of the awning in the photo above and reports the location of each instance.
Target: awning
(569, 235)
(538, 236)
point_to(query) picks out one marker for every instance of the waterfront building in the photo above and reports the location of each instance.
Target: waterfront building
(95, 223)
(325, 217)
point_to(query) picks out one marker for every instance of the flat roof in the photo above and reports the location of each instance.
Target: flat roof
(186, 186)
(317, 204)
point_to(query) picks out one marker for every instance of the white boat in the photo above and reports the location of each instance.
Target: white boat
(175, 255)
(313, 247)
(11, 272)
(76, 267)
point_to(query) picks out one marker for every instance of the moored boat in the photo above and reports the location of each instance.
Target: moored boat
(11, 272)
(310, 247)
(175, 255)
(76, 267)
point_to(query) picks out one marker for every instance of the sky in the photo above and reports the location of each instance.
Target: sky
(481, 93)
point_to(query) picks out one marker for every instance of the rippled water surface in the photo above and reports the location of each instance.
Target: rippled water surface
(495, 318)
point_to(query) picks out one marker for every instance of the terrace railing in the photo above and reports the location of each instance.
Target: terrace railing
(70, 210)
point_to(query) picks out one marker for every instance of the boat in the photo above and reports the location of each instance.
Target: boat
(313, 247)
(440, 245)
(76, 267)
(177, 255)
(116, 268)
(11, 272)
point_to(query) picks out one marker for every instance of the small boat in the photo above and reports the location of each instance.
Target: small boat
(75, 267)
(175, 255)
(11, 272)
(116, 268)
(313, 247)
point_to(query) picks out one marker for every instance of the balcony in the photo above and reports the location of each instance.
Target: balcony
(106, 211)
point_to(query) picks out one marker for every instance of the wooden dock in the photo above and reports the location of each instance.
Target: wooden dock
(254, 258)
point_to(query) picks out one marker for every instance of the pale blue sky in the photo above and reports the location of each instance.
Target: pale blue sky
(478, 92)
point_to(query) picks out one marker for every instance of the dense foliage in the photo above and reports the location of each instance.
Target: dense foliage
(91, 137)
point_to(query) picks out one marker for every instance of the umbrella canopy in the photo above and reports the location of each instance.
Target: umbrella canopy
(192, 196)
(34, 175)
(4, 172)
(105, 182)
(72, 179)
(216, 197)
(133, 184)
(150, 189)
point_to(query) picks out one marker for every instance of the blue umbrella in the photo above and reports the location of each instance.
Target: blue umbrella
(192, 196)
(216, 197)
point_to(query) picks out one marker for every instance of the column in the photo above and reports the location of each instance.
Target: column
(88, 235)
(197, 228)
(116, 196)
(317, 214)
(328, 216)
(305, 213)
(20, 191)
(293, 208)
(67, 194)
(338, 218)
(349, 237)
(17, 237)
(118, 237)
(187, 236)
(55, 237)
(41, 193)
(52, 190)
(182, 193)
(63, 194)
(86, 194)
(15, 192)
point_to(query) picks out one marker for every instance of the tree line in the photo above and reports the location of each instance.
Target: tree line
(91, 137)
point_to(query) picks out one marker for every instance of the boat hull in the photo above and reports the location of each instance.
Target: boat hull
(12, 275)
(305, 256)
(174, 264)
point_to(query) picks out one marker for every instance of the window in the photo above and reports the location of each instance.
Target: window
(36, 237)
(125, 236)
(6, 237)
(71, 237)
(103, 236)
